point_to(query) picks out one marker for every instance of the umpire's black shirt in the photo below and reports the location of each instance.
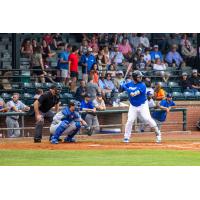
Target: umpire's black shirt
(47, 101)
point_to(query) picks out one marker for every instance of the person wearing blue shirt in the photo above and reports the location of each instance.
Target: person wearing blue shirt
(87, 60)
(89, 112)
(62, 64)
(66, 121)
(136, 90)
(165, 105)
(156, 54)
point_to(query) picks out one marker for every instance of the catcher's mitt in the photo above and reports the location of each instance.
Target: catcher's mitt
(89, 130)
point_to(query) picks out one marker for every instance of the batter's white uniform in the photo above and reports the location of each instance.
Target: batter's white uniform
(138, 108)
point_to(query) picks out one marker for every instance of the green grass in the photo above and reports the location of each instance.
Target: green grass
(99, 158)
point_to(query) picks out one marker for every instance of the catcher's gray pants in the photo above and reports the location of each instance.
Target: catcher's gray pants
(39, 124)
(12, 123)
(92, 121)
(68, 130)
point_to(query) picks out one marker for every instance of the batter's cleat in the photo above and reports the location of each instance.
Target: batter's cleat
(37, 140)
(126, 140)
(69, 140)
(158, 139)
(54, 141)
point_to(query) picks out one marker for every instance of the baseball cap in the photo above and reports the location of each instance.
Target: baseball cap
(147, 49)
(184, 74)
(99, 94)
(54, 87)
(89, 49)
(169, 95)
(155, 46)
(149, 93)
(88, 95)
(119, 72)
(194, 71)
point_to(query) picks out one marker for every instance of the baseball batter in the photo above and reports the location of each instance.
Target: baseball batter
(136, 90)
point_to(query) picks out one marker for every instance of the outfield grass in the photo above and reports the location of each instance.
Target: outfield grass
(99, 158)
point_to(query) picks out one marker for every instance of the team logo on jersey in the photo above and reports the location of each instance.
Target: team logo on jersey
(132, 88)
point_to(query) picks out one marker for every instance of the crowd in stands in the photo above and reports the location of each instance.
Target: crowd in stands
(99, 63)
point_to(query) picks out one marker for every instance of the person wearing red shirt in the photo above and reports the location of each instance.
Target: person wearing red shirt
(48, 38)
(73, 66)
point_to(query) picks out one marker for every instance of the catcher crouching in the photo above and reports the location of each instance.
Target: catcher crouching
(68, 121)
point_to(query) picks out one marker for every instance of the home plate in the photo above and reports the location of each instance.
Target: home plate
(94, 145)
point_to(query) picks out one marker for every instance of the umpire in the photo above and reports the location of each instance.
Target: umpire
(42, 108)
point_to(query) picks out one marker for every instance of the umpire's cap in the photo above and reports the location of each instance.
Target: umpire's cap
(56, 87)
(137, 74)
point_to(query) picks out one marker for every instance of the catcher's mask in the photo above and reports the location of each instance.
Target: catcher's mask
(75, 103)
(137, 76)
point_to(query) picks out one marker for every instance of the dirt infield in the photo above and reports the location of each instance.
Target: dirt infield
(179, 141)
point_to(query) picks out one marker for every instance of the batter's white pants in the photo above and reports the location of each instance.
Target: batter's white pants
(140, 111)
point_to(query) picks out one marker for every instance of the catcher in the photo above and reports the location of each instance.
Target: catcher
(68, 121)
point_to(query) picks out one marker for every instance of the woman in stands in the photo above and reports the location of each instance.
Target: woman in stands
(26, 48)
(37, 65)
(95, 73)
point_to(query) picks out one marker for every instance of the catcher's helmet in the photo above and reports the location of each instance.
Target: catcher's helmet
(137, 74)
(75, 103)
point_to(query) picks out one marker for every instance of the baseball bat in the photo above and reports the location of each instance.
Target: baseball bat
(127, 71)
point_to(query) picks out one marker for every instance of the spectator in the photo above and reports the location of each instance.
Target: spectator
(34, 44)
(102, 61)
(26, 49)
(118, 79)
(188, 52)
(87, 61)
(134, 40)
(147, 57)
(81, 91)
(137, 55)
(109, 83)
(195, 81)
(3, 107)
(37, 65)
(185, 83)
(63, 63)
(112, 70)
(92, 88)
(48, 38)
(159, 70)
(39, 92)
(57, 40)
(173, 58)
(84, 47)
(95, 73)
(94, 45)
(165, 105)
(46, 52)
(114, 40)
(173, 40)
(42, 108)
(159, 93)
(116, 57)
(6, 79)
(141, 63)
(125, 47)
(156, 54)
(90, 116)
(12, 121)
(144, 41)
(105, 40)
(99, 103)
(73, 67)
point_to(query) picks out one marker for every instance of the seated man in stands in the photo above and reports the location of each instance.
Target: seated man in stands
(89, 112)
(159, 69)
(99, 102)
(165, 105)
(173, 58)
(118, 79)
(3, 107)
(185, 83)
(195, 81)
(12, 121)
(159, 93)
(116, 56)
(156, 54)
(81, 91)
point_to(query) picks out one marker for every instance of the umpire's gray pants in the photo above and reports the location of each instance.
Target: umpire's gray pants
(39, 124)
(92, 121)
(12, 123)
